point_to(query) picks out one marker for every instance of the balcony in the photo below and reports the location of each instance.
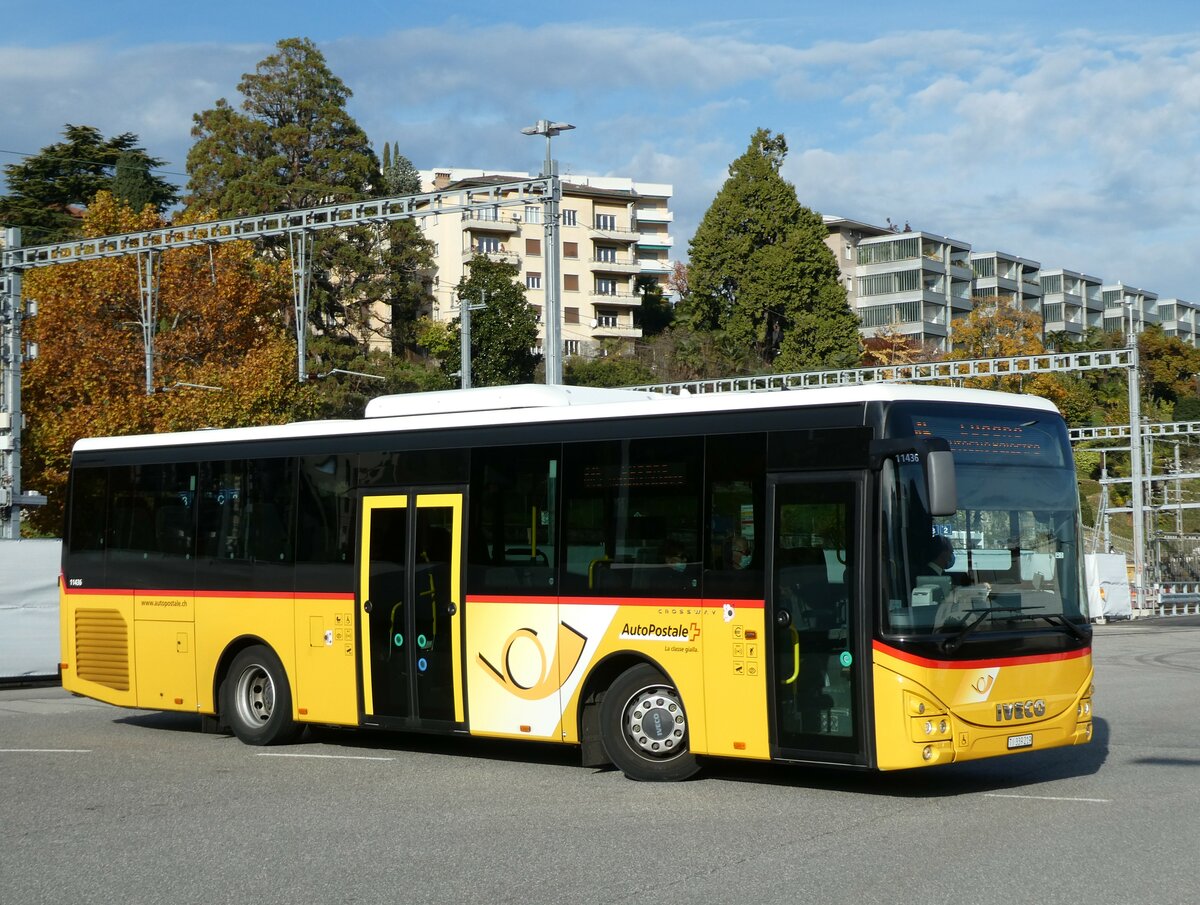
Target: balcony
(507, 222)
(654, 215)
(605, 327)
(656, 240)
(617, 264)
(492, 254)
(655, 265)
(614, 299)
(615, 233)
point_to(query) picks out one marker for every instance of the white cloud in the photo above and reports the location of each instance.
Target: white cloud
(1075, 149)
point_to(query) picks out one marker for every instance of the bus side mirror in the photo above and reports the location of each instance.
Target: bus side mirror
(939, 478)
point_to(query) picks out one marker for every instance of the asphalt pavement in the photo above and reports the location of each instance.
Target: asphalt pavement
(100, 804)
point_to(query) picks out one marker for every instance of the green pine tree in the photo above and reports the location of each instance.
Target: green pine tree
(293, 145)
(399, 176)
(761, 276)
(132, 183)
(42, 188)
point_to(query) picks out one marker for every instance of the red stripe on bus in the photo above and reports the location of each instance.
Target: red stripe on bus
(682, 602)
(1028, 660)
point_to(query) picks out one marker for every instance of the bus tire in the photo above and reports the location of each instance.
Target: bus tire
(256, 701)
(644, 727)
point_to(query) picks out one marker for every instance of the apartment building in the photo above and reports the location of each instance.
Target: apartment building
(1008, 277)
(914, 283)
(919, 284)
(1180, 319)
(1071, 302)
(1127, 309)
(614, 231)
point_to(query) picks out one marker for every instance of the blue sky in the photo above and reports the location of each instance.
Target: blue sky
(1063, 132)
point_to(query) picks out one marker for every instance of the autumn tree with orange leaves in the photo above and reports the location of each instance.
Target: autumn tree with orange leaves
(998, 328)
(220, 324)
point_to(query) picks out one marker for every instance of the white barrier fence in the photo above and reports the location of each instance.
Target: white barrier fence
(1180, 599)
(29, 572)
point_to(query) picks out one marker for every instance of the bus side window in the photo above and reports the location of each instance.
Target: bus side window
(325, 526)
(152, 525)
(735, 498)
(512, 531)
(632, 517)
(86, 527)
(245, 524)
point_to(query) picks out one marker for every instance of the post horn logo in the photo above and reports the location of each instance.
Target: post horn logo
(984, 684)
(540, 679)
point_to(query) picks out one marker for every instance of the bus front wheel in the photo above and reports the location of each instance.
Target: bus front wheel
(644, 727)
(256, 701)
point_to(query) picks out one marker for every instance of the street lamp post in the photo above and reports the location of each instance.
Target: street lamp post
(554, 343)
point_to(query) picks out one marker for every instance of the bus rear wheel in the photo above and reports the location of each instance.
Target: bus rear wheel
(644, 727)
(256, 700)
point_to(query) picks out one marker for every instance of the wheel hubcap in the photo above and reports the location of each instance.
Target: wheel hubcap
(654, 722)
(255, 695)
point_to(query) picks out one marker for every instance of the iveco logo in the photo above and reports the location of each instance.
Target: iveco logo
(1020, 710)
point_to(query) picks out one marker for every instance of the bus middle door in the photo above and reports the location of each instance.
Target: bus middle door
(410, 596)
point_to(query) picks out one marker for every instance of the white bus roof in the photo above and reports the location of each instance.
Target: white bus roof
(535, 403)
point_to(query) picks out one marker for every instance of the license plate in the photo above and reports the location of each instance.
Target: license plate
(1020, 741)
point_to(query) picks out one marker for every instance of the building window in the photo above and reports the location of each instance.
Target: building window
(606, 221)
(571, 282)
(885, 252)
(533, 247)
(533, 214)
(537, 312)
(606, 287)
(569, 218)
(607, 319)
(606, 254)
(1052, 285)
(984, 267)
(533, 280)
(570, 249)
(487, 245)
(571, 347)
(887, 283)
(570, 315)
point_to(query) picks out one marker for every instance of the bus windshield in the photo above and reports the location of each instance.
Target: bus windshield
(1008, 559)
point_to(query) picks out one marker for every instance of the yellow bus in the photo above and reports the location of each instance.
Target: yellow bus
(876, 577)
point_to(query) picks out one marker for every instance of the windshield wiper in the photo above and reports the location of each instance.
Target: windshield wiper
(954, 642)
(1062, 621)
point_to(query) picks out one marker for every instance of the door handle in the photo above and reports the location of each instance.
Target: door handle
(366, 606)
(451, 608)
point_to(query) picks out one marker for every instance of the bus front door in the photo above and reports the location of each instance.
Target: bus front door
(410, 600)
(818, 657)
